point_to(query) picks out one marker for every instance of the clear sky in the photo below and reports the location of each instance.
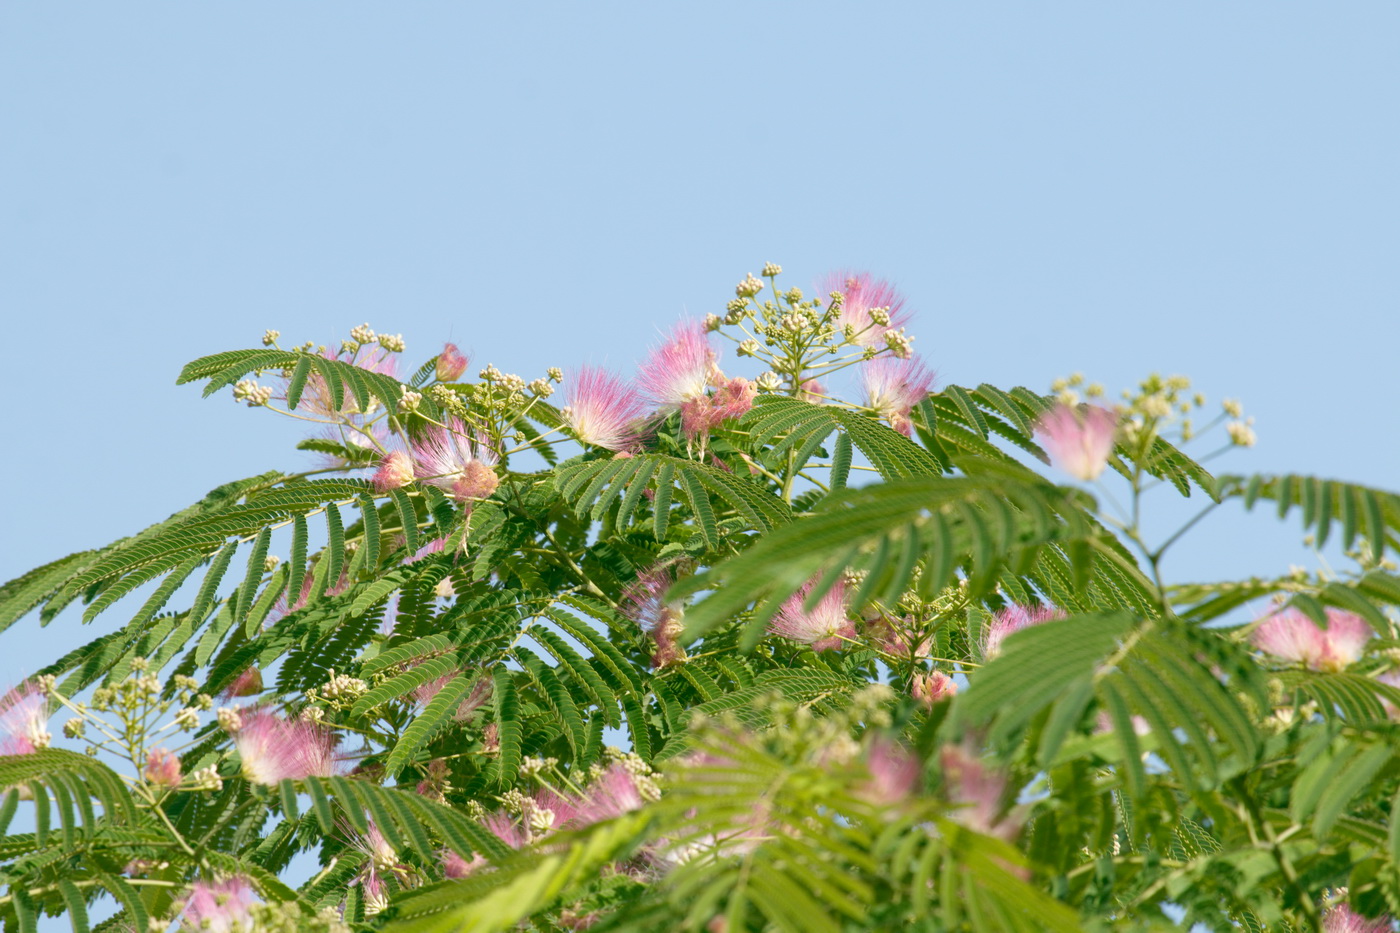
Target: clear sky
(1201, 188)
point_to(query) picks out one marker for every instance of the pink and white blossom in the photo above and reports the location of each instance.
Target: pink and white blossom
(1290, 635)
(894, 773)
(975, 794)
(457, 460)
(220, 906)
(1014, 618)
(603, 410)
(731, 399)
(395, 471)
(24, 715)
(275, 749)
(680, 369)
(862, 294)
(1342, 919)
(163, 767)
(825, 626)
(644, 602)
(316, 395)
(932, 687)
(1080, 440)
(451, 364)
(612, 793)
(893, 387)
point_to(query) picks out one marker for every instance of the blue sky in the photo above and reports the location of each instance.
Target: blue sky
(1198, 188)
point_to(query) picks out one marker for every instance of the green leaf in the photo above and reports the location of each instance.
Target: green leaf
(507, 714)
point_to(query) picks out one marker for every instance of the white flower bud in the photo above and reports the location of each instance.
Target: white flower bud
(768, 382)
(362, 334)
(1241, 434)
(392, 342)
(771, 269)
(270, 337)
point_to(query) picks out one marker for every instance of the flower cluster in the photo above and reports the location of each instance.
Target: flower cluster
(1290, 635)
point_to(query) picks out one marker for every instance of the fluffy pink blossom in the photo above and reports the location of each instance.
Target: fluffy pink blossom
(220, 906)
(602, 409)
(644, 603)
(1342, 919)
(23, 716)
(702, 415)
(395, 470)
(824, 627)
(455, 866)
(458, 461)
(812, 391)
(894, 773)
(862, 293)
(975, 794)
(1078, 440)
(893, 387)
(274, 749)
(163, 767)
(680, 369)
(612, 794)
(1291, 636)
(507, 829)
(1012, 619)
(451, 364)
(374, 891)
(932, 687)
(316, 396)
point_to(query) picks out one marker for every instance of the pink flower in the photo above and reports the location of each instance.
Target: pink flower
(457, 461)
(862, 294)
(374, 891)
(1291, 636)
(246, 684)
(1079, 441)
(893, 387)
(23, 715)
(680, 369)
(395, 470)
(824, 627)
(812, 391)
(1012, 619)
(274, 749)
(220, 906)
(1342, 919)
(163, 767)
(612, 794)
(451, 364)
(316, 396)
(455, 866)
(932, 687)
(702, 415)
(603, 410)
(644, 603)
(893, 773)
(975, 794)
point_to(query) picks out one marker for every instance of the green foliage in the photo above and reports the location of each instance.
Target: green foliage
(827, 646)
